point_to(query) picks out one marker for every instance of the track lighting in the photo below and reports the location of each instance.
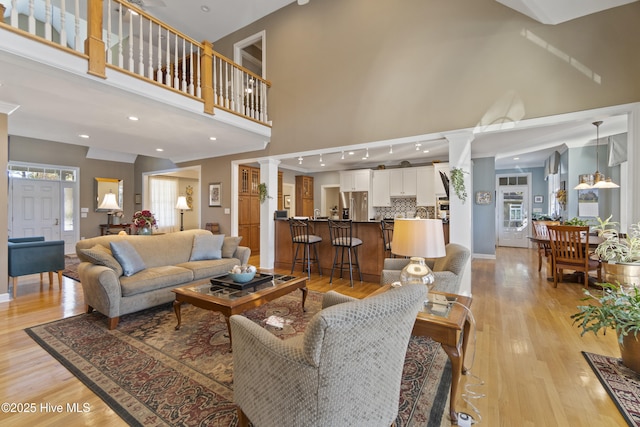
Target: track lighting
(391, 149)
(300, 160)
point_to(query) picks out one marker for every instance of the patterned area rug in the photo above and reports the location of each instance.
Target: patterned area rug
(622, 384)
(71, 263)
(151, 374)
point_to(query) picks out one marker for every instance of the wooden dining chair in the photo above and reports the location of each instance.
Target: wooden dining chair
(544, 248)
(570, 250)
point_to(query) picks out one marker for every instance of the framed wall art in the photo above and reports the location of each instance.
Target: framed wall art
(483, 197)
(215, 194)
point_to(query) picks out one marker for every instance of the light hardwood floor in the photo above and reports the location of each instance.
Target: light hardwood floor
(528, 352)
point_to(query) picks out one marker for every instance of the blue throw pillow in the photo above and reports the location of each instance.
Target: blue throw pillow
(128, 257)
(207, 246)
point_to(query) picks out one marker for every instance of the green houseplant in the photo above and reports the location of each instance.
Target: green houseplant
(618, 308)
(620, 256)
(457, 182)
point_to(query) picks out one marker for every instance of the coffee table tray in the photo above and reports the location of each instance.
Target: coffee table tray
(228, 282)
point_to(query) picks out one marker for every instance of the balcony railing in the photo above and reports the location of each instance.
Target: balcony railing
(118, 35)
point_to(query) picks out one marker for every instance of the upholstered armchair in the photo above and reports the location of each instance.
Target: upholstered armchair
(447, 270)
(31, 255)
(345, 370)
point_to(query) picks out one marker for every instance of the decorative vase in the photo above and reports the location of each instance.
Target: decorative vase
(417, 272)
(630, 352)
(627, 274)
(145, 231)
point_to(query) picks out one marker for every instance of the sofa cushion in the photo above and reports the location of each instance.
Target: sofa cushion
(154, 278)
(99, 255)
(207, 246)
(128, 257)
(230, 245)
(210, 268)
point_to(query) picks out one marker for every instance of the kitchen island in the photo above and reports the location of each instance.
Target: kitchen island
(370, 253)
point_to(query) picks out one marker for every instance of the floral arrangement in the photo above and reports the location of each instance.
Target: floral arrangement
(144, 218)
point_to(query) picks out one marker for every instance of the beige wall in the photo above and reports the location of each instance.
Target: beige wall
(353, 71)
(53, 153)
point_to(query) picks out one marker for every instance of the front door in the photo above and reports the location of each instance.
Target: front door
(513, 216)
(35, 209)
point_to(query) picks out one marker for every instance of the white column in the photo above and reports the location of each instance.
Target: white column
(631, 186)
(4, 219)
(461, 213)
(268, 175)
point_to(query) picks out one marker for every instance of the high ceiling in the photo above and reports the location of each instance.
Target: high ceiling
(38, 114)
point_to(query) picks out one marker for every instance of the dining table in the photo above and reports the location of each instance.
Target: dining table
(593, 241)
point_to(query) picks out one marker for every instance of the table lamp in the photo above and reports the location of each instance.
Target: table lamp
(182, 205)
(110, 204)
(418, 239)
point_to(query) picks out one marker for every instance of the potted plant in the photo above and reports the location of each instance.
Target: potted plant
(457, 182)
(617, 308)
(620, 256)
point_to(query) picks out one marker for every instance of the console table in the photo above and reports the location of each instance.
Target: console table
(109, 228)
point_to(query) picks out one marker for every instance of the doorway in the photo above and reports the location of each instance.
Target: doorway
(513, 210)
(251, 53)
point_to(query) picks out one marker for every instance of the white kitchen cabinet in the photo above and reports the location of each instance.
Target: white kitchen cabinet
(426, 192)
(402, 182)
(356, 180)
(439, 186)
(380, 188)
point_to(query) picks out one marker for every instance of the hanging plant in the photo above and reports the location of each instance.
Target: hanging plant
(457, 182)
(263, 193)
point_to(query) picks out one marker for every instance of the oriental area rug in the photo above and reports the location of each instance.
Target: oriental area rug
(622, 384)
(151, 374)
(71, 263)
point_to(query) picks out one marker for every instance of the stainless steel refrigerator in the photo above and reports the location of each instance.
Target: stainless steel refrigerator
(354, 205)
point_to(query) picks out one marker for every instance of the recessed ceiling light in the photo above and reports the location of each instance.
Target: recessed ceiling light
(159, 149)
(516, 158)
(85, 136)
(212, 138)
(133, 118)
(425, 151)
(351, 153)
(204, 8)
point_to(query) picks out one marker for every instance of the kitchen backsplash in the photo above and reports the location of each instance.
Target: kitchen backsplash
(402, 208)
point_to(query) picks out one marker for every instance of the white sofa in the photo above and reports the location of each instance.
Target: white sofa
(142, 270)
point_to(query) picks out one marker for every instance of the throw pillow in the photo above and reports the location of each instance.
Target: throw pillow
(99, 255)
(128, 257)
(207, 246)
(230, 245)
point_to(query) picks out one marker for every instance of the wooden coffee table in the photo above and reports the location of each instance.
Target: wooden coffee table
(229, 301)
(450, 326)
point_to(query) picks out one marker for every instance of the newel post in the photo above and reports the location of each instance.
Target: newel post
(206, 65)
(94, 45)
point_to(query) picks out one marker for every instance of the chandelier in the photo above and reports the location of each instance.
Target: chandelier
(599, 180)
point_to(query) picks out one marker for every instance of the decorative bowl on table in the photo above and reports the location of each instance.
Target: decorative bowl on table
(242, 277)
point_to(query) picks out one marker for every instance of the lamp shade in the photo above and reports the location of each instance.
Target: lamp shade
(418, 238)
(182, 203)
(109, 202)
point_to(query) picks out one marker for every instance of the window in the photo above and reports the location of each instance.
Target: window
(164, 193)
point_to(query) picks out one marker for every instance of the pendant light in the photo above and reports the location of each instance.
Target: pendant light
(599, 181)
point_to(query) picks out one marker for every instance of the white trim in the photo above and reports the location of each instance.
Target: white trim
(483, 256)
(238, 46)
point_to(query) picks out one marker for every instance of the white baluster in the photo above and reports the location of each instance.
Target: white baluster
(32, 18)
(140, 48)
(76, 13)
(159, 75)
(63, 24)
(47, 20)
(130, 43)
(199, 79)
(150, 69)
(176, 79)
(14, 13)
(191, 69)
(120, 48)
(108, 45)
(183, 81)
(229, 80)
(168, 66)
(263, 101)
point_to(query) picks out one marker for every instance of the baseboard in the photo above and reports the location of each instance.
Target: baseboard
(484, 256)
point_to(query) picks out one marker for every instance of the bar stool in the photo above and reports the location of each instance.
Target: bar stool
(386, 226)
(301, 236)
(342, 238)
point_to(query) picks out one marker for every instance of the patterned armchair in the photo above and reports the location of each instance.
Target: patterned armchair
(447, 270)
(31, 255)
(345, 370)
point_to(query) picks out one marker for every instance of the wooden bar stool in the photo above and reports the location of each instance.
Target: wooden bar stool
(301, 235)
(386, 226)
(342, 239)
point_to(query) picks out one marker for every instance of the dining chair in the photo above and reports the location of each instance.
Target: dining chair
(570, 250)
(302, 235)
(544, 248)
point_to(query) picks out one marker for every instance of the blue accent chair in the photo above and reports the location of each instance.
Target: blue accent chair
(31, 255)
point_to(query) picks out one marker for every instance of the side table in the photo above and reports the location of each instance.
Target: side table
(106, 228)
